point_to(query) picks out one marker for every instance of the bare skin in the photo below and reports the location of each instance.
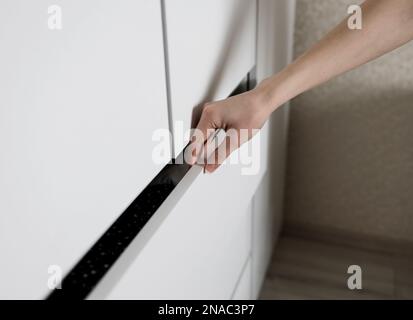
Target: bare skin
(387, 25)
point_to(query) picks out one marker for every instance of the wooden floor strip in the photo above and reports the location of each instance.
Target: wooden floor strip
(317, 269)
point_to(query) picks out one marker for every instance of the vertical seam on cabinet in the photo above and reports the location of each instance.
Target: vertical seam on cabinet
(252, 251)
(249, 258)
(167, 76)
(243, 269)
(257, 8)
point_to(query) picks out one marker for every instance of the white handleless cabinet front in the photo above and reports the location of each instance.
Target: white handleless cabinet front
(78, 107)
(210, 48)
(199, 249)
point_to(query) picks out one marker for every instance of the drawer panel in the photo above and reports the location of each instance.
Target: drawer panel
(198, 251)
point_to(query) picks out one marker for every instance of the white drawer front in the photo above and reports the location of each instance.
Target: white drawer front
(199, 250)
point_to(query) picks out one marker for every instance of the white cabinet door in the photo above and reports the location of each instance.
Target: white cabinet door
(199, 249)
(210, 48)
(78, 107)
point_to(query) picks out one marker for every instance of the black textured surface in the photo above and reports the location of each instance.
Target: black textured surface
(81, 280)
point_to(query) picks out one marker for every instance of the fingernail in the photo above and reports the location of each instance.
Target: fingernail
(208, 170)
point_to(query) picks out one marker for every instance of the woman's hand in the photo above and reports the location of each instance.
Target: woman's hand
(239, 116)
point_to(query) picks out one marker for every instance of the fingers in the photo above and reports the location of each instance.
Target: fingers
(224, 150)
(201, 134)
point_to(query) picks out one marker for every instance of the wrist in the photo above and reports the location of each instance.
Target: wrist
(266, 95)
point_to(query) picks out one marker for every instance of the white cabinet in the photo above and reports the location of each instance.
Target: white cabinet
(210, 48)
(199, 249)
(78, 107)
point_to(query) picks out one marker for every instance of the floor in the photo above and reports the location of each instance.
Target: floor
(304, 268)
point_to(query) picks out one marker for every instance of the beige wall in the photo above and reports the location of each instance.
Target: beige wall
(350, 158)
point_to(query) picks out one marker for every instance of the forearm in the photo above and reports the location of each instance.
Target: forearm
(386, 25)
